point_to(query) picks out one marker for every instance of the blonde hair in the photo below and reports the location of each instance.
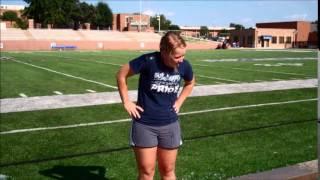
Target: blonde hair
(170, 41)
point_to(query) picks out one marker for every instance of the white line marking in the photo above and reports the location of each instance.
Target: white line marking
(209, 77)
(113, 64)
(63, 127)
(275, 72)
(80, 59)
(258, 59)
(23, 95)
(68, 75)
(4, 58)
(279, 64)
(89, 99)
(248, 106)
(200, 65)
(89, 90)
(220, 60)
(251, 70)
(198, 84)
(58, 92)
(218, 82)
(127, 120)
(275, 50)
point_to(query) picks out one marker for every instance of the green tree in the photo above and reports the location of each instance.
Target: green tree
(104, 16)
(65, 13)
(20, 23)
(9, 16)
(174, 27)
(55, 14)
(59, 13)
(164, 22)
(237, 26)
(36, 10)
(154, 22)
(87, 13)
(204, 31)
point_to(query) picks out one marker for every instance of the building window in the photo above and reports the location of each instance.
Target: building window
(281, 39)
(243, 40)
(274, 39)
(288, 39)
(129, 19)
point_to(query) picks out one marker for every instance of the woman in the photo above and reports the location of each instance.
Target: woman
(155, 133)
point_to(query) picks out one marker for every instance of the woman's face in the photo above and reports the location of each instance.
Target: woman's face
(175, 57)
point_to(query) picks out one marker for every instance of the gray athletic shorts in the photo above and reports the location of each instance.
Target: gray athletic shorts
(167, 136)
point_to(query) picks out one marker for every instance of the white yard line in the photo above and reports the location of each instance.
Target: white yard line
(193, 64)
(258, 59)
(100, 98)
(274, 72)
(23, 95)
(243, 69)
(198, 84)
(285, 50)
(128, 119)
(89, 90)
(64, 74)
(218, 82)
(58, 92)
(251, 70)
(210, 77)
(248, 106)
(63, 127)
(101, 62)
(81, 59)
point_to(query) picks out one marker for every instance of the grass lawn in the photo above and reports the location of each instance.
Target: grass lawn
(217, 144)
(78, 72)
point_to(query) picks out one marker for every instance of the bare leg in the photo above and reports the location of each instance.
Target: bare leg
(167, 163)
(146, 162)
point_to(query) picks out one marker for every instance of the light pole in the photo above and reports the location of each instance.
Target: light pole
(158, 18)
(140, 16)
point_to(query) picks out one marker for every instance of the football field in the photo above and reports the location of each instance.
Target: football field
(224, 135)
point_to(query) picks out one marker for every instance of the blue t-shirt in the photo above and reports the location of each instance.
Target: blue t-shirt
(158, 88)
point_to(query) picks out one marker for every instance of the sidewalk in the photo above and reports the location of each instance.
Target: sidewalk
(302, 171)
(90, 99)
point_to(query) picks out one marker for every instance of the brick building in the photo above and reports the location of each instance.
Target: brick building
(263, 38)
(302, 28)
(301, 34)
(16, 8)
(131, 22)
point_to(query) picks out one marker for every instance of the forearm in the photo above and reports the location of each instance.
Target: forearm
(186, 91)
(122, 76)
(123, 89)
(133, 109)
